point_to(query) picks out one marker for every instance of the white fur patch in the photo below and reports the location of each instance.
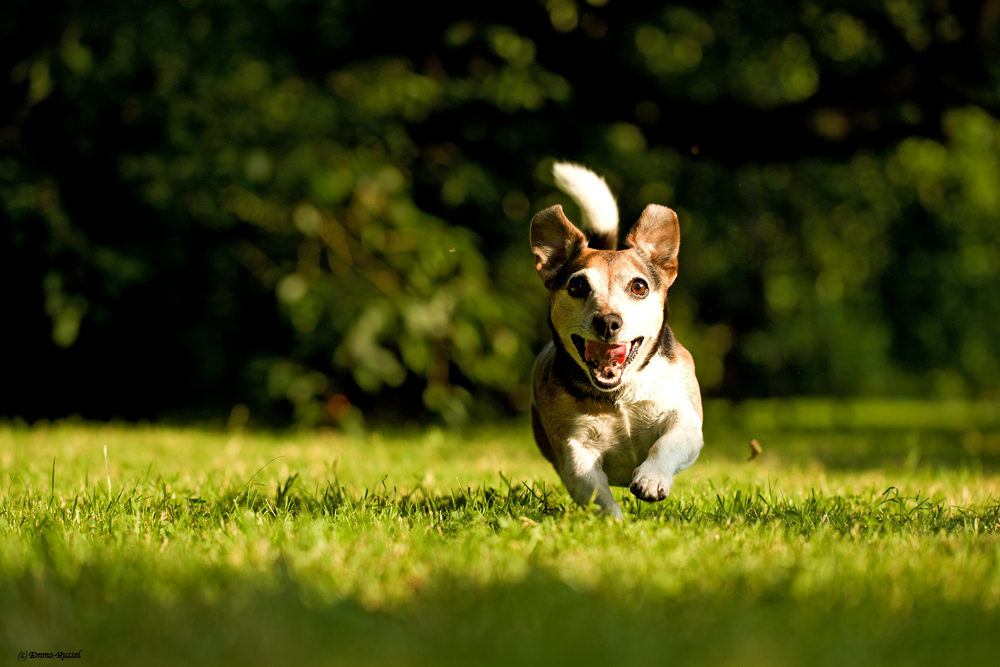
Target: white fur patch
(591, 193)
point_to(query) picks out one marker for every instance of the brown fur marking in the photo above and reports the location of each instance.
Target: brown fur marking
(541, 438)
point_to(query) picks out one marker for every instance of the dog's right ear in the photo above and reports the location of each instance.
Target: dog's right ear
(554, 240)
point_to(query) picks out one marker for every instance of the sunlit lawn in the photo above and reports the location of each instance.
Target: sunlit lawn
(838, 546)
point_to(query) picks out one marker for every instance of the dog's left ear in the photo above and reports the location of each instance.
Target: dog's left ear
(554, 240)
(657, 235)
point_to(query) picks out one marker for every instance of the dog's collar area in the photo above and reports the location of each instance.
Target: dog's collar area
(604, 363)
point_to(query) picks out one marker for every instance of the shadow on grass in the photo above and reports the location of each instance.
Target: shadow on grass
(122, 603)
(537, 620)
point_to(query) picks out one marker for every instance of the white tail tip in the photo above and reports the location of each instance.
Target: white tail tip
(591, 194)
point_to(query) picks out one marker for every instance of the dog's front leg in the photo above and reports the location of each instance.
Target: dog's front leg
(674, 451)
(586, 481)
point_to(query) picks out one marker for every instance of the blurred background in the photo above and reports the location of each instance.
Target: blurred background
(317, 211)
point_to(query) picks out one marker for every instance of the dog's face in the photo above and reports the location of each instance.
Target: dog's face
(607, 307)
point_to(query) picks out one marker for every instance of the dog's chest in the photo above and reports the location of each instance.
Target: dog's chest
(626, 436)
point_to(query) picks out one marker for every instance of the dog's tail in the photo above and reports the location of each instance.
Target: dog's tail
(592, 195)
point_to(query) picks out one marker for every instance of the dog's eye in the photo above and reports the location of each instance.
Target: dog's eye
(639, 287)
(579, 287)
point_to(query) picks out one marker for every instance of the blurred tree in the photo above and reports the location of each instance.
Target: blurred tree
(320, 207)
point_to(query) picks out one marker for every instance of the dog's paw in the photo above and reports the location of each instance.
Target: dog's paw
(613, 512)
(649, 484)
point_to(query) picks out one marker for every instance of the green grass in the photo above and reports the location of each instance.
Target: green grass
(840, 545)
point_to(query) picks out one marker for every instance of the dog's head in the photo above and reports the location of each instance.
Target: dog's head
(607, 307)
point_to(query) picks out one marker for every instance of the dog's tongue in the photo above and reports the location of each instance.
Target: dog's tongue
(606, 355)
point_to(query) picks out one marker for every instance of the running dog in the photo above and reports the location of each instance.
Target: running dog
(615, 401)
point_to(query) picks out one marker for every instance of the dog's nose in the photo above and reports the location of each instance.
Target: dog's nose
(608, 325)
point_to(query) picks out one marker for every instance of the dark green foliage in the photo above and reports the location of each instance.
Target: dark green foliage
(320, 209)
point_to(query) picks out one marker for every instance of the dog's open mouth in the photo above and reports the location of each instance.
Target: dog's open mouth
(606, 361)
